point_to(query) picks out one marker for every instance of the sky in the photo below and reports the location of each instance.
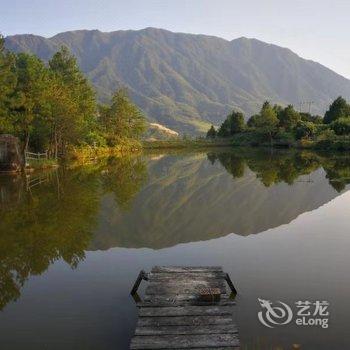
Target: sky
(314, 29)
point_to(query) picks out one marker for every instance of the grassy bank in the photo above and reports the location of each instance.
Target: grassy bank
(189, 143)
(322, 141)
(87, 154)
(41, 164)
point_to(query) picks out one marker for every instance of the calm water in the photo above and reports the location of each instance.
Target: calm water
(73, 241)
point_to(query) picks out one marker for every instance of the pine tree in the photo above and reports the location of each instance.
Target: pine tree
(236, 122)
(267, 120)
(122, 119)
(7, 85)
(28, 95)
(288, 117)
(65, 67)
(211, 134)
(338, 109)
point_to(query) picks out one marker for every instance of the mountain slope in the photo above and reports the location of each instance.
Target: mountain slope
(186, 81)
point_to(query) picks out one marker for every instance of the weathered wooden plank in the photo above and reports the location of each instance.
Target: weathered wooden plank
(182, 269)
(186, 276)
(216, 348)
(169, 330)
(183, 341)
(208, 282)
(172, 316)
(175, 298)
(146, 304)
(189, 310)
(183, 320)
(183, 288)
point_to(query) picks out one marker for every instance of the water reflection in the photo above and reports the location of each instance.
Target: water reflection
(204, 196)
(52, 216)
(155, 201)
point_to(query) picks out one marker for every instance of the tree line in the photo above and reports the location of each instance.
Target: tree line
(53, 106)
(274, 121)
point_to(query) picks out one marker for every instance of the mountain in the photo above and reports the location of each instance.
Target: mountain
(186, 81)
(189, 199)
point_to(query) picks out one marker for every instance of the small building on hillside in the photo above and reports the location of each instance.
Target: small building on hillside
(10, 155)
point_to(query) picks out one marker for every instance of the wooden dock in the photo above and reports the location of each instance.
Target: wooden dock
(185, 308)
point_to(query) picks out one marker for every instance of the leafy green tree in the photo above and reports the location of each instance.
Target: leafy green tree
(7, 85)
(267, 120)
(341, 126)
(65, 67)
(236, 122)
(252, 121)
(61, 119)
(28, 95)
(233, 124)
(307, 117)
(278, 109)
(288, 118)
(211, 134)
(224, 129)
(338, 109)
(304, 129)
(122, 119)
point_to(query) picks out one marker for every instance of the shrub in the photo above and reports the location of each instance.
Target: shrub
(304, 129)
(341, 126)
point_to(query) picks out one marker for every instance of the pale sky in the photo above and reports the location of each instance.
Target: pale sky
(314, 29)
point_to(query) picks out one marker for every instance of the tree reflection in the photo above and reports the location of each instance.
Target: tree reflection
(55, 218)
(270, 167)
(124, 177)
(338, 171)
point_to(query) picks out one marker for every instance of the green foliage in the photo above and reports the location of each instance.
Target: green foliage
(27, 102)
(284, 126)
(51, 107)
(224, 129)
(233, 124)
(341, 126)
(304, 129)
(307, 117)
(338, 109)
(7, 85)
(236, 121)
(253, 121)
(122, 118)
(288, 118)
(267, 120)
(81, 104)
(211, 134)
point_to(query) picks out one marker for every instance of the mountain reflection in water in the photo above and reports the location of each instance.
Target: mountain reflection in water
(155, 201)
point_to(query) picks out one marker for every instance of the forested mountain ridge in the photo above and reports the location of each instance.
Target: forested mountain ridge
(187, 81)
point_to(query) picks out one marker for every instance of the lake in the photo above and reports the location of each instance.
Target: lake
(72, 242)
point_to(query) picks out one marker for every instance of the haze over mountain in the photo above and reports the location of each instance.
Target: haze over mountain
(186, 81)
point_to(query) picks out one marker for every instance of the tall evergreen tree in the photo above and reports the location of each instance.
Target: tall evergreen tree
(211, 134)
(288, 117)
(267, 120)
(338, 109)
(236, 122)
(224, 129)
(122, 118)
(28, 95)
(7, 85)
(65, 67)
